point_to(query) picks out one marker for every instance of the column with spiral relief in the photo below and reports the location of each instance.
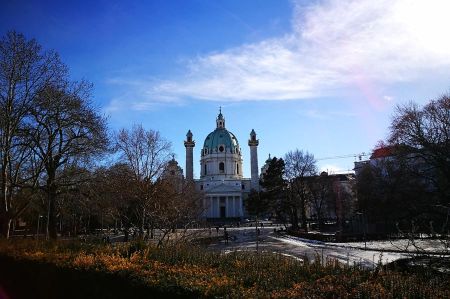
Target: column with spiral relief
(253, 143)
(189, 144)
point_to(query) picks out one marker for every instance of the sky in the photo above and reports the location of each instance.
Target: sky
(318, 76)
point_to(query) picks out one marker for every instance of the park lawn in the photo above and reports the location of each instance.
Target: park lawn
(185, 270)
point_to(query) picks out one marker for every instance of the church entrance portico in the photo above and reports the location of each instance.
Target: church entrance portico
(223, 206)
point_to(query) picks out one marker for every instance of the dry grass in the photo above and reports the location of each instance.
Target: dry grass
(233, 275)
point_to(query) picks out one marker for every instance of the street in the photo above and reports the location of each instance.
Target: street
(244, 238)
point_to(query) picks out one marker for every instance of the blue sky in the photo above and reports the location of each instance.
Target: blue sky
(322, 76)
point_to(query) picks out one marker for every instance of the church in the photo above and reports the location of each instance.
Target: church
(221, 177)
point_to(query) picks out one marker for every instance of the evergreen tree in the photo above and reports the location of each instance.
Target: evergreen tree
(273, 197)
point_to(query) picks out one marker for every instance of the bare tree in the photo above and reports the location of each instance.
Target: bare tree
(390, 192)
(299, 166)
(425, 134)
(78, 201)
(146, 153)
(66, 130)
(321, 197)
(176, 207)
(25, 69)
(120, 196)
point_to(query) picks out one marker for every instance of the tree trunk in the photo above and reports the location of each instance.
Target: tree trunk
(51, 197)
(142, 228)
(51, 222)
(320, 224)
(88, 226)
(5, 219)
(75, 225)
(294, 218)
(127, 235)
(5, 225)
(304, 222)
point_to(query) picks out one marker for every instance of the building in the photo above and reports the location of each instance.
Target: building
(221, 177)
(393, 158)
(397, 185)
(379, 156)
(173, 173)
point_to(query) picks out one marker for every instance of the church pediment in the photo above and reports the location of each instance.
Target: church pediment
(224, 188)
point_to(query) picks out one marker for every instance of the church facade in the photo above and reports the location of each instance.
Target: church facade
(221, 173)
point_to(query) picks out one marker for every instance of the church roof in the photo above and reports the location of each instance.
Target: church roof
(221, 136)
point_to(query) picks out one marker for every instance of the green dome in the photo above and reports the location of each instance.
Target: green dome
(218, 137)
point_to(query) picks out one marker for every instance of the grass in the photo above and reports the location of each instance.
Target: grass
(195, 270)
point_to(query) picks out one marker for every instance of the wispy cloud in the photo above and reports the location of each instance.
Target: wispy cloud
(140, 95)
(332, 45)
(326, 115)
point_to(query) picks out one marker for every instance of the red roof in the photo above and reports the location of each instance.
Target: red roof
(383, 152)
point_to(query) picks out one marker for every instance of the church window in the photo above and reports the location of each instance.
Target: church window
(221, 148)
(237, 168)
(243, 187)
(205, 172)
(222, 167)
(201, 187)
